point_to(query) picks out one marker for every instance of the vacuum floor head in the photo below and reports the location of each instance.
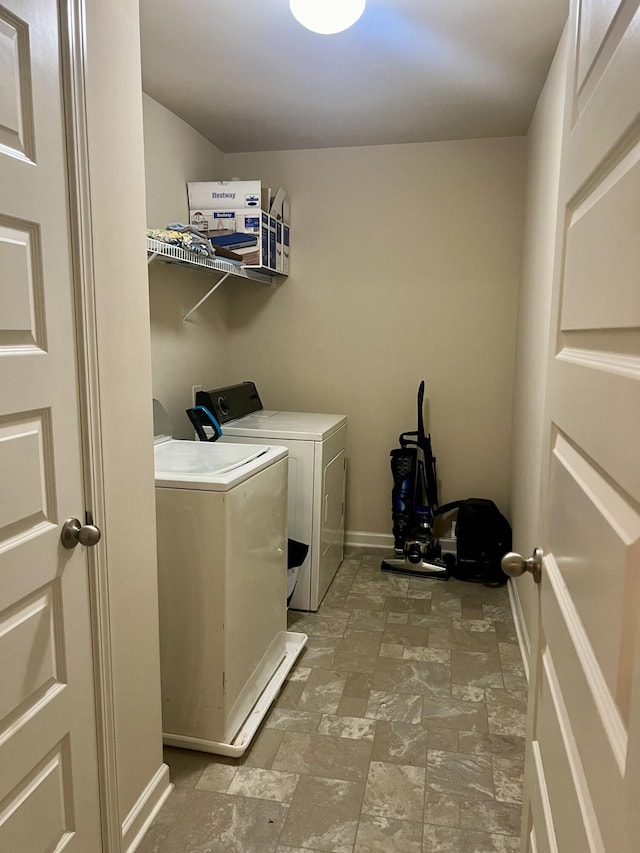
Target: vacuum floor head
(432, 568)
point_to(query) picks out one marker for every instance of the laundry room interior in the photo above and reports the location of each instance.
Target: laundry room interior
(358, 552)
(406, 265)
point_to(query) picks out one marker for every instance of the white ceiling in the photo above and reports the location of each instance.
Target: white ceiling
(248, 77)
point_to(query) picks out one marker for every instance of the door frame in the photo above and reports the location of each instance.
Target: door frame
(73, 57)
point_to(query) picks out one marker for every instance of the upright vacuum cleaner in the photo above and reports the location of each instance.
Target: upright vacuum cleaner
(414, 503)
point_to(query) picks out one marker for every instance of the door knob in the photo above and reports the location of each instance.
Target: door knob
(515, 565)
(74, 532)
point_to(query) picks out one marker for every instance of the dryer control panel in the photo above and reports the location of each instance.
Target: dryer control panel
(234, 401)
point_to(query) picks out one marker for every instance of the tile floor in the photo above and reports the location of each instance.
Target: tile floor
(400, 729)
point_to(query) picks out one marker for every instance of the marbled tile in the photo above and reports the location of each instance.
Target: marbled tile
(186, 766)
(443, 839)
(412, 676)
(418, 584)
(334, 601)
(443, 604)
(459, 774)
(321, 755)
(387, 585)
(263, 748)
(463, 641)
(514, 680)
(397, 618)
(394, 791)
(481, 743)
(354, 728)
(400, 743)
(390, 650)
(454, 714)
(319, 652)
(359, 643)
(297, 721)
(367, 620)
(394, 706)
(490, 816)
(480, 669)
(289, 695)
(381, 835)
(174, 803)
(425, 653)
(425, 620)
(508, 778)
(442, 809)
(365, 602)
(317, 625)
(468, 693)
(323, 815)
(153, 842)
(419, 606)
(405, 635)
(505, 631)
(217, 778)
(507, 711)
(481, 625)
(220, 823)
(351, 706)
(499, 611)
(299, 673)
(284, 848)
(445, 740)
(264, 784)
(472, 607)
(357, 685)
(322, 691)
(510, 656)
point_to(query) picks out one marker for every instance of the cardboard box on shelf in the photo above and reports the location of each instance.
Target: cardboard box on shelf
(286, 250)
(268, 252)
(228, 195)
(206, 220)
(267, 256)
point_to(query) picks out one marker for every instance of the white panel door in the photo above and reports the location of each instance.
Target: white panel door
(583, 748)
(48, 762)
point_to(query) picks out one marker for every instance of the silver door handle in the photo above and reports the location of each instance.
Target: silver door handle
(74, 532)
(515, 565)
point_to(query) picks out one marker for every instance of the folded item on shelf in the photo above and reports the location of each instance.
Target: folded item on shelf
(233, 239)
(184, 239)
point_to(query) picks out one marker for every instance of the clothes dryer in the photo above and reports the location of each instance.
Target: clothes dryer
(224, 646)
(317, 465)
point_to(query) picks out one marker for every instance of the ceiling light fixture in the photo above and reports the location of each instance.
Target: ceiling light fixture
(327, 16)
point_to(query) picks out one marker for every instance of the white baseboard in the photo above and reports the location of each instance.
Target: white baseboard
(521, 628)
(141, 816)
(365, 539)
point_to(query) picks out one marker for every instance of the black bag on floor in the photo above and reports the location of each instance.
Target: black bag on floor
(483, 537)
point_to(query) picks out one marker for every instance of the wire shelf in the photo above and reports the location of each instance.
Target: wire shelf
(177, 255)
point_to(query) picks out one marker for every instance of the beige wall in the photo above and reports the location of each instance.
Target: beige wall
(543, 166)
(405, 264)
(191, 353)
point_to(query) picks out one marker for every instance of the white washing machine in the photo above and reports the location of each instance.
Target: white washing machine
(317, 476)
(224, 646)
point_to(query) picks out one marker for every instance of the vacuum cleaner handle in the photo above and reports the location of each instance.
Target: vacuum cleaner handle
(420, 419)
(200, 417)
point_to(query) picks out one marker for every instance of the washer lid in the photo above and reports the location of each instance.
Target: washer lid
(305, 426)
(209, 466)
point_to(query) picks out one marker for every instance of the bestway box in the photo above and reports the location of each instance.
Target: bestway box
(205, 219)
(227, 195)
(267, 255)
